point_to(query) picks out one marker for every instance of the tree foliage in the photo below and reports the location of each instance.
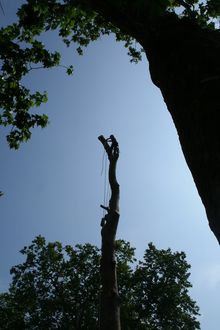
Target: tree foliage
(76, 22)
(57, 287)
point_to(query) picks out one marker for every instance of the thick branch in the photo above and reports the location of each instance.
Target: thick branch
(130, 17)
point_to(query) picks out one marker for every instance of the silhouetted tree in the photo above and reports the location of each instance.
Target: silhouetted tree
(58, 287)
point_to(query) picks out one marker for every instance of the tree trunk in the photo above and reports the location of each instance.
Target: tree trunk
(184, 64)
(109, 300)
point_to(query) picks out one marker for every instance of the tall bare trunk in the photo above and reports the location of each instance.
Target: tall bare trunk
(109, 300)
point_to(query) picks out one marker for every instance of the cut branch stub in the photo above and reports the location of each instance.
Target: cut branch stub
(111, 147)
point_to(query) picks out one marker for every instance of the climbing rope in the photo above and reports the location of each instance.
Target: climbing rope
(104, 171)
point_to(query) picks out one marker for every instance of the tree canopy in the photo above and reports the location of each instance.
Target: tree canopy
(77, 22)
(57, 287)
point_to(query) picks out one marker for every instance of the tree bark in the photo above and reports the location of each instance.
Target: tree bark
(109, 300)
(184, 63)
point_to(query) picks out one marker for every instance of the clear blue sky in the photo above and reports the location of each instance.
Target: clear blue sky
(53, 184)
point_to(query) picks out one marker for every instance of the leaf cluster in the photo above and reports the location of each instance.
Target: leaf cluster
(57, 287)
(15, 99)
(204, 13)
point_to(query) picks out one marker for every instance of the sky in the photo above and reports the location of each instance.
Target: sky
(53, 185)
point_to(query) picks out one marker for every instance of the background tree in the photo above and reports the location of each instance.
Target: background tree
(182, 47)
(57, 287)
